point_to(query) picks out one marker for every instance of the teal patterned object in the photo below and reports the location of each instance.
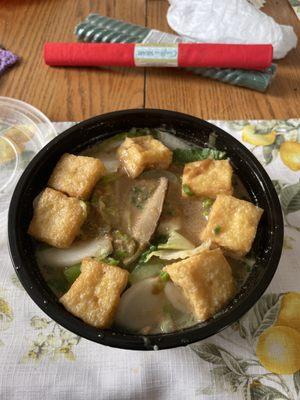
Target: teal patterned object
(97, 28)
(86, 33)
(256, 80)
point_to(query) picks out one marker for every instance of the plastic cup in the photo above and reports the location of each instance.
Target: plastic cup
(24, 130)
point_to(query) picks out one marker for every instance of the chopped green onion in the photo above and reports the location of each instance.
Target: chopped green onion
(139, 196)
(207, 203)
(187, 189)
(111, 261)
(183, 156)
(120, 235)
(164, 276)
(217, 229)
(109, 178)
(121, 254)
(205, 213)
(144, 255)
(72, 273)
(95, 199)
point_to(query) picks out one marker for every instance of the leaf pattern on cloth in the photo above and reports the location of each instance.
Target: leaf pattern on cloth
(288, 242)
(263, 315)
(268, 139)
(51, 341)
(289, 196)
(264, 392)
(16, 282)
(235, 375)
(296, 379)
(244, 375)
(6, 316)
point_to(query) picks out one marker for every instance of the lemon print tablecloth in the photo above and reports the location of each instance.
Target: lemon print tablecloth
(257, 358)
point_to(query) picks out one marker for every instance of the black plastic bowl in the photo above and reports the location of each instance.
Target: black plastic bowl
(268, 242)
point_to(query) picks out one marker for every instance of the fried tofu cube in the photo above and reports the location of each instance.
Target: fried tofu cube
(206, 281)
(76, 175)
(57, 218)
(207, 178)
(95, 295)
(143, 152)
(232, 225)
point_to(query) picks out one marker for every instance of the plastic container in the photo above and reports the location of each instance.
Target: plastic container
(24, 130)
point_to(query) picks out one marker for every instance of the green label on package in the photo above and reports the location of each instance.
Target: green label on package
(156, 55)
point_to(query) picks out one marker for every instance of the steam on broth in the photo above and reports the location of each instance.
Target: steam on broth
(144, 232)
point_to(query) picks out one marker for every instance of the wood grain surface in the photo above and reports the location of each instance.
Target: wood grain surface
(78, 93)
(65, 94)
(208, 99)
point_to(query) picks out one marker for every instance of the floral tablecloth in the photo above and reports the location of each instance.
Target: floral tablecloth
(41, 360)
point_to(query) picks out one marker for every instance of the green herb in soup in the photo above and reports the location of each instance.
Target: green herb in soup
(144, 233)
(187, 190)
(217, 229)
(183, 156)
(140, 194)
(72, 273)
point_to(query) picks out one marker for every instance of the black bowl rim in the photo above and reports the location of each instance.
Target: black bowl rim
(159, 341)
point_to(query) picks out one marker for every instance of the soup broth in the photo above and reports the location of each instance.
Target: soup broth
(154, 227)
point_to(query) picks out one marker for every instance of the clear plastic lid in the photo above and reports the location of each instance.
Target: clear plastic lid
(24, 130)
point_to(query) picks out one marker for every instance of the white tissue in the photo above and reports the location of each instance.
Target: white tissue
(229, 21)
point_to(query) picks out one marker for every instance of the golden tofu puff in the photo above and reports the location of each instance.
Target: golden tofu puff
(143, 152)
(95, 295)
(207, 178)
(232, 225)
(206, 282)
(76, 175)
(57, 218)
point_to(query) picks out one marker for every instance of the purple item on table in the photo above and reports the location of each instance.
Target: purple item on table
(7, 59)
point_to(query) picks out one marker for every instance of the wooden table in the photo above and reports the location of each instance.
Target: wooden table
(75, 94)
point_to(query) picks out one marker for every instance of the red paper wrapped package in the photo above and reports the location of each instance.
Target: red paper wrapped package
(258, 56)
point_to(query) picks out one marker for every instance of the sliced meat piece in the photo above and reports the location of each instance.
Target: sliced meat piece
(145, 224)
(133, 206)
(193, 220)
(182, 214)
